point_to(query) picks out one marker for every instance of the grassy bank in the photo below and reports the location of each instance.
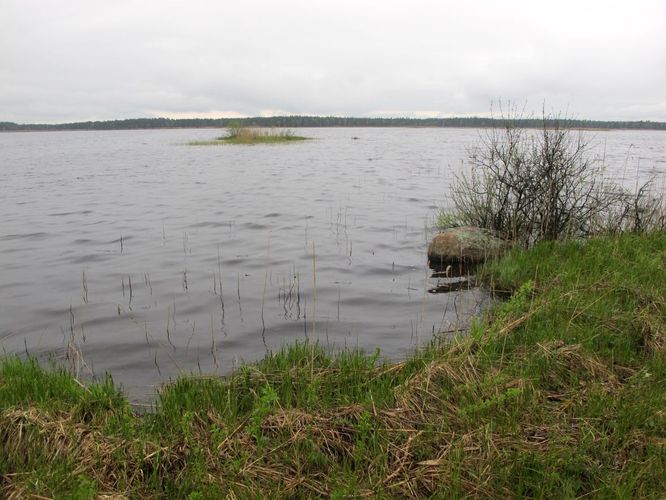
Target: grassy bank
(559, 392)
(251, 135)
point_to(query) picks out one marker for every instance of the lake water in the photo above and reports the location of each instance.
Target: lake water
(144, 257)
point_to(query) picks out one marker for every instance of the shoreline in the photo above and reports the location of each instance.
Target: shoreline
(334, 122)
(560, 389)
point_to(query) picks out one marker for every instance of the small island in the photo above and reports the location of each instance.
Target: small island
(237, 134)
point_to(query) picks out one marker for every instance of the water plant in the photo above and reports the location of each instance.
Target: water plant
(237, 134)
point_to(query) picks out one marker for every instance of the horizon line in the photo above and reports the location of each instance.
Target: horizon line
(332, 117)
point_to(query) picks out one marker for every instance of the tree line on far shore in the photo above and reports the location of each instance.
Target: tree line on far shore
(323, 121)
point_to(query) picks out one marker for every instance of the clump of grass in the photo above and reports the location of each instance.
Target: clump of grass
(252, 135)
(559, 391)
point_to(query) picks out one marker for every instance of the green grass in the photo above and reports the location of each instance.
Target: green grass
(559, 391)
(248, 135)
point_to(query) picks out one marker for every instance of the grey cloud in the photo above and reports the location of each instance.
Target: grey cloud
(86, 59)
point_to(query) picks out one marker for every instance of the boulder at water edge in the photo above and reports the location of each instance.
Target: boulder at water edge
(464, 245)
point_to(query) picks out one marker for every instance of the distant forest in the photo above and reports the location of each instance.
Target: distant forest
(321, 121)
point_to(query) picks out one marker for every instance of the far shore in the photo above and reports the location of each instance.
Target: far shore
(328, 122)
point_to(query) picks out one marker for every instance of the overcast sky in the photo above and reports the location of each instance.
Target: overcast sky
(70, 60)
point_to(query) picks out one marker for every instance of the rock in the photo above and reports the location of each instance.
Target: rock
(464, 245)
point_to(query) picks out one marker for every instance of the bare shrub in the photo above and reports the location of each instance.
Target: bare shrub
(641, 211)
(532, 185)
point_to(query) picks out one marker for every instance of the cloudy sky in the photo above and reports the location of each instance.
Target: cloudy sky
(70, 60)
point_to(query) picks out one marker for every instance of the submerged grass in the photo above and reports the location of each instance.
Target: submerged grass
(252, 135)
(559, 392)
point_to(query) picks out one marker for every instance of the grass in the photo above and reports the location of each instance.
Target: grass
(559, 391)
(252, 135)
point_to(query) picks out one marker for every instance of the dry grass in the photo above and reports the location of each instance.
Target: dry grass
(34, 431)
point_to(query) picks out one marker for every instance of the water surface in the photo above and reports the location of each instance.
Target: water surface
(145, 257)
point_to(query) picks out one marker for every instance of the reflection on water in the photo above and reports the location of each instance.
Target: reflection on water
(156, 258)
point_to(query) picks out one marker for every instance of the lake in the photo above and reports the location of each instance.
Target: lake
(132, 253)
